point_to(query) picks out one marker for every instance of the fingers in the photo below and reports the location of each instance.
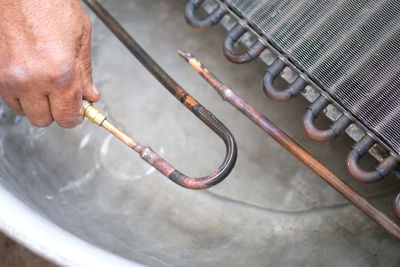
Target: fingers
(66, 104)
(37, 109)
(66, 107)
(85, 56)
(91, 93)
(14, 104)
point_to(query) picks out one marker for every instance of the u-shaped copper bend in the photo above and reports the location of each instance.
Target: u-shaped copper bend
(335, 129)
(230, 157)
(202, 23)
(281, 95)
(379, 172)
(249, 54)
(146, 153)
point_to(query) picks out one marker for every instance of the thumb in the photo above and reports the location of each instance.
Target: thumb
(89, 91)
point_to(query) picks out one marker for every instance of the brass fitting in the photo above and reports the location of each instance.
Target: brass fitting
(92, 113)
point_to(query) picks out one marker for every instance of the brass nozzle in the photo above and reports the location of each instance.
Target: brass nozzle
(92, 113)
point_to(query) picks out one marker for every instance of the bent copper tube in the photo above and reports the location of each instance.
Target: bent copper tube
(205, 23)
(335, 129)
(195, 107)
(295, 149)
(367, 177)
(250, 54)
(281, 95)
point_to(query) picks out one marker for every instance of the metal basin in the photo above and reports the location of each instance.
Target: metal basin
(80, 198)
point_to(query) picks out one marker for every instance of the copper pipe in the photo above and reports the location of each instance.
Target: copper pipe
(281, 95)
(202, 23)
(335, 129)
(249, 55)
(187, 100)
(289, 144)
(379, 172)
(155, 160)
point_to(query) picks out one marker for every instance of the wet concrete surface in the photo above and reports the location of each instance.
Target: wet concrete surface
(270, 211)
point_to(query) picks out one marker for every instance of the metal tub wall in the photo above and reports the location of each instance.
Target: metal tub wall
(78, 197)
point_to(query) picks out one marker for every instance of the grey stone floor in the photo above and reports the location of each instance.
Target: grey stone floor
(270, 211)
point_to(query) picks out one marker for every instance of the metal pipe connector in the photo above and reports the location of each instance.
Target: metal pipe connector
(202, 23)
(92, 113)
(249, 55)
(335, 129)
(379, 172)
(281, 95)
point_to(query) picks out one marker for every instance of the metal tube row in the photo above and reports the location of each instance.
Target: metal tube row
(295, 149)
(293, 89)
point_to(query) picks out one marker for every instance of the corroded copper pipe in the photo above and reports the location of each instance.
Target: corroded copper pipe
(175, 89)
(249, 55)
(281, 95)
(204, 23)
(299, 152)
(335, 129)
(155, 160)
(379, 172)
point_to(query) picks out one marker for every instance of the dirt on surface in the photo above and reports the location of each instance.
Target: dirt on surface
(14, 255)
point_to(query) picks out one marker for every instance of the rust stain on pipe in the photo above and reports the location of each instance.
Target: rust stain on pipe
(294, 148)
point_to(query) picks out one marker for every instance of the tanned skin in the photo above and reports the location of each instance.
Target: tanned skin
(45, 60)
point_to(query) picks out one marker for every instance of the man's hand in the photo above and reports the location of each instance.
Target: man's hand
(45, 60)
